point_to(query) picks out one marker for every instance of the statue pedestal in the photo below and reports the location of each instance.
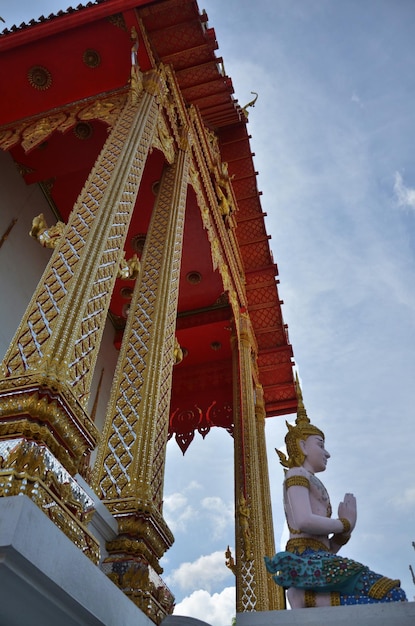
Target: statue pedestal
(396, 613)
(45, 578)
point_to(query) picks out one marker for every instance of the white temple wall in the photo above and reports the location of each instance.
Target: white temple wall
(22, 258)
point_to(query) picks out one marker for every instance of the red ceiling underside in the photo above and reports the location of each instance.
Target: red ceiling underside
(179, 36)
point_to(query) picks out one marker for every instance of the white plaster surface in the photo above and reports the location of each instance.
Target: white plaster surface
(179, 620)
(393, 614)
(103, 525)
(22, 258)
(45, 580)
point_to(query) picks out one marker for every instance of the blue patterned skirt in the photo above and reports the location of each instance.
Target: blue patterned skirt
(321, 571)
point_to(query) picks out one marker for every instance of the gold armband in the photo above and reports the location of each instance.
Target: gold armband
(341, 539)
(346, 526)
(297, 481)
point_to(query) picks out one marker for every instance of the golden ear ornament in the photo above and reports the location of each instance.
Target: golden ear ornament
(299, 432)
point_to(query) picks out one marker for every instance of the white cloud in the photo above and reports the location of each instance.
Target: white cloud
(217, 609)
(405, 499)
(193, 486)
(355, 98)
(221, 514)
(178, 512)
(405, 195)
(204, 572)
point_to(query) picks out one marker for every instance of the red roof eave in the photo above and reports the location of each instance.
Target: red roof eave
(72, 18)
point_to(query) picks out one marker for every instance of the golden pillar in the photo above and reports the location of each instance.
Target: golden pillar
(129, 472)
(45, 430)
(253, 516)
(276, 595)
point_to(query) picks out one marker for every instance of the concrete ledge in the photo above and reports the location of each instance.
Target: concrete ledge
(45, 579)
(391, 614)
(179, 620)
(103, 525)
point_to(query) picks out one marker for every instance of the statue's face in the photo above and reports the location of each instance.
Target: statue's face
(315, 453)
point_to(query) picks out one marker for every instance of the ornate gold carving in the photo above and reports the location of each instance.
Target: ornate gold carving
(299, 544)
(185, 137)
(107, 110)
(9, 137)
(136, 77)
(302, 429)
(142, 530)
(34, 132)
(154, 83)
(225, 253)
(163, 140)
(230, 562)
(137, 243)
(309, 598)
(129, 270)
(131, 461)
(46, 415)
(91, 58)
(129, 471)
(39, 77)
(118, 21)
(297, 481)
(66, 317)
(254, 527)
(30, 469)
(346, 526)
(383, 586)
(224, 204)
(83, 130)
(335, 598)
(178, 352)
(244, 515)
(176, 109)
(193, 278)
(48, 237)
(141, 584)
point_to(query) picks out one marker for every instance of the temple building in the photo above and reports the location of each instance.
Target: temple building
(139, 303)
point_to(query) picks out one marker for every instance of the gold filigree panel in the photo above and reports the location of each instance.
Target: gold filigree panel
(131, 458)
(31, 133)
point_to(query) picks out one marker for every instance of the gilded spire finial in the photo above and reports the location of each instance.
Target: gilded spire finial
(301, 411)
(302, 429)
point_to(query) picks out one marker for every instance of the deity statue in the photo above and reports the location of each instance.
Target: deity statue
(129, 270)
(310, 568)
(244, 514)
(47, 236)
(230, 561)
(224, 204)
(178, 352)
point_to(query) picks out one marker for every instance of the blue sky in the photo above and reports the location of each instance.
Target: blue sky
(333, 133)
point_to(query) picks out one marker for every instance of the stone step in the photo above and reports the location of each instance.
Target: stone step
(390, 614)
(179, 620)
(393, 614)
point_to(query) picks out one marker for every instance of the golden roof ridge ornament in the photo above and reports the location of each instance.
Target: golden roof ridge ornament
(303, 428)
(250, 104)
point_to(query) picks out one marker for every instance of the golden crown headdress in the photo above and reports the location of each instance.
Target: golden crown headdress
(302, 429)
